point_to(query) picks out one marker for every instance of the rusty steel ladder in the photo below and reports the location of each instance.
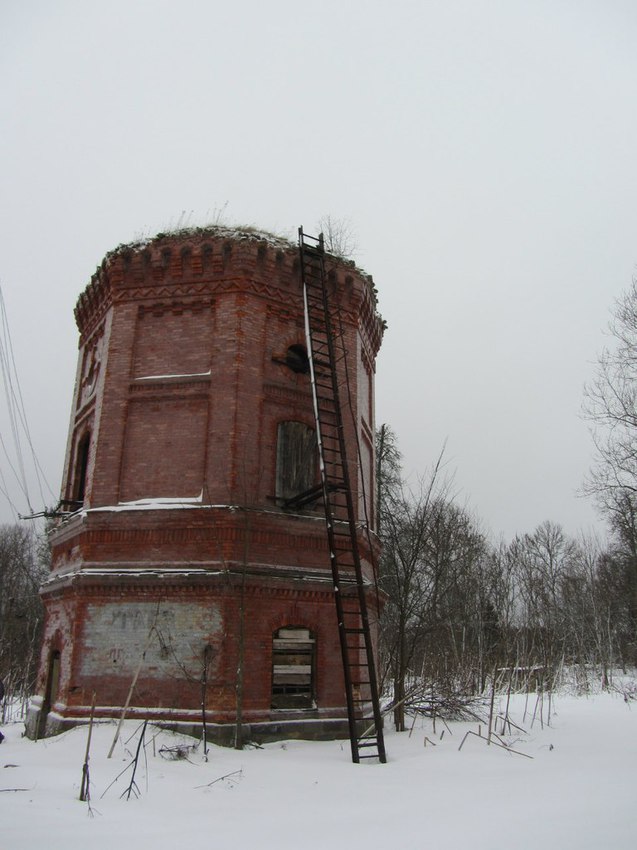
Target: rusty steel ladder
(326, 350)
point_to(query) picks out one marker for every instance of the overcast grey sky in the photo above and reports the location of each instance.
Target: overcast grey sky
(484, 153)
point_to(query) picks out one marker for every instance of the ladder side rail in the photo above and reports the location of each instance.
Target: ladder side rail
(322, 306)
(360, 580)
(351, 516)
(329, 520)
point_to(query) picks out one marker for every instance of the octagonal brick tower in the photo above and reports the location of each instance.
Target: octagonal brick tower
(176, 558)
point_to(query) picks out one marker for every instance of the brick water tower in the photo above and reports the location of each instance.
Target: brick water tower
(191, 566)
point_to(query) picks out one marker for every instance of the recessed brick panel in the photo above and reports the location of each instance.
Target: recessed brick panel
(164, 449)
(174, 341)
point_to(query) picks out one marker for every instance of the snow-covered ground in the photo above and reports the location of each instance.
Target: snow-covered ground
(577, 791)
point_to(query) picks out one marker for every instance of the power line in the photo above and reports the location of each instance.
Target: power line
(18, 423)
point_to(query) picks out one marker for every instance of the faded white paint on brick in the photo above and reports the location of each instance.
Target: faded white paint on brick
(116, 633)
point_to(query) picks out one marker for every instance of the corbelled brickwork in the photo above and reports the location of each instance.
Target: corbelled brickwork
(178, 555)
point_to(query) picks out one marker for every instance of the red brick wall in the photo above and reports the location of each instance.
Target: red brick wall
(182, 384)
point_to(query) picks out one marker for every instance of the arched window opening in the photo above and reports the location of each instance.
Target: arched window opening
(297, 360)
(81, 467)
(296, 463)
(293, 666)
(50, 691)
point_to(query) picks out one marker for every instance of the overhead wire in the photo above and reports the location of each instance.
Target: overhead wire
(18, 424)
(4, 489)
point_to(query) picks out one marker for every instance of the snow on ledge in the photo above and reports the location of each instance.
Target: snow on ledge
(166, 500)
(191, 503)
(162, 503)
(175, 377)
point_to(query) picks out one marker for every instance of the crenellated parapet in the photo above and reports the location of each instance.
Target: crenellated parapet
(190, 264)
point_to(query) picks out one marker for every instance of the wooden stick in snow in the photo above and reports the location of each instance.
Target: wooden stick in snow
(84, 788)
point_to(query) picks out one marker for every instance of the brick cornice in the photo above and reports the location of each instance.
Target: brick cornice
(190, 582)
(194, 523)
(203, 263)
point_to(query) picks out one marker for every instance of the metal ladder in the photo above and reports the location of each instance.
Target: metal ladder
(325, 346)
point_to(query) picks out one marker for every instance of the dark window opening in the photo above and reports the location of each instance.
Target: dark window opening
(293, 665)
(81, 467)
(296, 460)
(297, 360)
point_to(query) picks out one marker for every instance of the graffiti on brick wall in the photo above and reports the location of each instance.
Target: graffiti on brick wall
(172, 636)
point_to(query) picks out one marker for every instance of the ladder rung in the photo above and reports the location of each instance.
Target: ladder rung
(336, 483)
(332, 456)
(331, 441)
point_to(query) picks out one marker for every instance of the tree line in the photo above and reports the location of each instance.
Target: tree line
(461, 611)
(24, 563)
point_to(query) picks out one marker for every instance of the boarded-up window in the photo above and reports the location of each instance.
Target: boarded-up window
(296, 466)
(293, 652)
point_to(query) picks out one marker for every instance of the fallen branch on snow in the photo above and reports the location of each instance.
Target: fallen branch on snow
(230, 776)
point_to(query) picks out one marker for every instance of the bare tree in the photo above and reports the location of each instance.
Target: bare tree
(407, 519)
(543, 560)
(338, 236)
(23, 566)
(388, 471)
(592, 612)
(610, 404)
